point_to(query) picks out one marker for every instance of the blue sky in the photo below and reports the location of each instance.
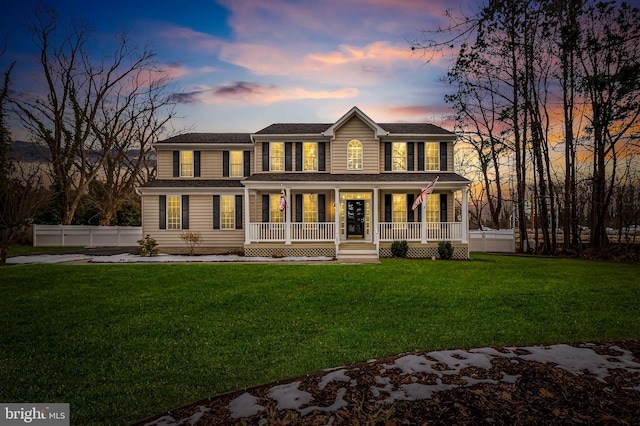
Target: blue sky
(240, 65)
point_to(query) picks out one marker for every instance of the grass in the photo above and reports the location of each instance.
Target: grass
(120, 342)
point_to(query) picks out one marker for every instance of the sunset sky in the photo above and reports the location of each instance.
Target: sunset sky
(240, 65)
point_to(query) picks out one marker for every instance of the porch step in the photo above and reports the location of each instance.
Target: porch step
(357, 251)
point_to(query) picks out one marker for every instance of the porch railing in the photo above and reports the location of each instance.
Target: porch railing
(412, 231)
(307, 231)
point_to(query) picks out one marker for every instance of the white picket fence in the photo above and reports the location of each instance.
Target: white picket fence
(85, 236)
(502, 241)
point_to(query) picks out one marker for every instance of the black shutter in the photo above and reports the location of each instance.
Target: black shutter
(185, 212)
(410, 156)
(216, 212)
(246, 162)
(196, 163)
(225, 163)
(421, 162)
(298, 156)
(419, 209)
(443, 156)
(387, 155)
(238, 211)
(443, 207)
(322, 208)
(322, 156)
(387, 207)
(288, 147)
(265, 156)
(298, 207)
(163, 211)
(410, 199)
(265, 208)
(176, 163)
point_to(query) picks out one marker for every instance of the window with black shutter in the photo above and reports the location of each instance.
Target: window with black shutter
(185, 212)
(163, 211)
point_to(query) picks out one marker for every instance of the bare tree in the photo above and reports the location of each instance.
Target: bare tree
(21, 193)
(610, 63)
(80, 118)
(133, 121)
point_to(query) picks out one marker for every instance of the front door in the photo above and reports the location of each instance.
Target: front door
(355, 218)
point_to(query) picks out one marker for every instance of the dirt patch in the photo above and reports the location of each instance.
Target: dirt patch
(587, 383)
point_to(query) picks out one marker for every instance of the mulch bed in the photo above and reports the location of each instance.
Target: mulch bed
(507, 390)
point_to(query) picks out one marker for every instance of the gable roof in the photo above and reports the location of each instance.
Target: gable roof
(356, 112)
(328, 129)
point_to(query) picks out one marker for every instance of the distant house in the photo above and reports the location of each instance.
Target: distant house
(342, 189)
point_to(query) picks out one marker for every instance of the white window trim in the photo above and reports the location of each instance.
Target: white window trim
(361, 155)
(393, 157)
(192, 163)
(241, 164)
(437, 169)
(233, 213)
(271, 157)
(179, 228)
(304, 157)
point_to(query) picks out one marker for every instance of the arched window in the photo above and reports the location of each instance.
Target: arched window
(354, 155)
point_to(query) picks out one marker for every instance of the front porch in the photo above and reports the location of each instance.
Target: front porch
(326, 231)
(320, 239)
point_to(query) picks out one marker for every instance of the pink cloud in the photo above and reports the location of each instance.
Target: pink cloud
(242, 92)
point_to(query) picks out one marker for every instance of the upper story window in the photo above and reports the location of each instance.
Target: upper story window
(399, 156)
(310, 156)
(354, 155)
(186, 163)
(276, 152)
(173, 212)
(236, 168)
(432, 155)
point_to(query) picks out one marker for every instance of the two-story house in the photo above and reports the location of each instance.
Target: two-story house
(342, 189)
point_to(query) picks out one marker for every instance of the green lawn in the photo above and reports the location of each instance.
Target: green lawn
(120, 342)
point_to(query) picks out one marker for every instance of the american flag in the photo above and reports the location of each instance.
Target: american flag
(283, 200)
(428, 190)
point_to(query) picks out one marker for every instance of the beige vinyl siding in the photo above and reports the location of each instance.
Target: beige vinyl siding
(164, 159)
(200, 220)
(450, 161)
(354, 129)
(210, 164)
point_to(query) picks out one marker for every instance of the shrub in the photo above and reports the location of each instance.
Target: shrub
(148, 246)
(445, 250)
(399, 248)
(192, 240)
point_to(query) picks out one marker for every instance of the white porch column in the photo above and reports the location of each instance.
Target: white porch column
(336, 221)
(374, 221)
(423, 221)
(287, 217)
(247, 217)
(465, 216)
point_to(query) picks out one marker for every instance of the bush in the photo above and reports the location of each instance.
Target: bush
(399, 248)
(445, 250)
(148, 246)
(192, 240)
